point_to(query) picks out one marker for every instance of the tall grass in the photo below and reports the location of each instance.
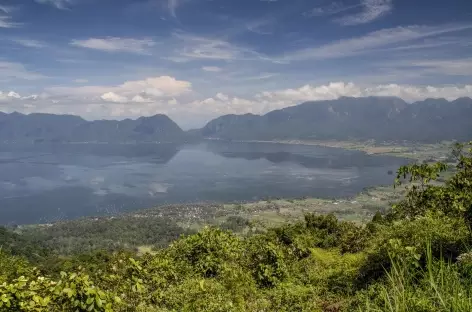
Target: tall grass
(437, 286)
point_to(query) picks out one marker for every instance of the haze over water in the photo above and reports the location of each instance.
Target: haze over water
(46, 183)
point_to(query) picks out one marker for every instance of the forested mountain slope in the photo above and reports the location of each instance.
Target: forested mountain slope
(378, 118)
(16, 127)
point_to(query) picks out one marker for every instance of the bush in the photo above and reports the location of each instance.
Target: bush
(448, 237)
(436, 287)
(207, 251)
(267, 262)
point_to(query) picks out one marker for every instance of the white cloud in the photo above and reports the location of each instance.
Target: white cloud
(8, 95)
(261, 76)
(312, 93)
(371, 10)
(140, 99)
(29, 43)
(260, 26)
(205, 48)
(368, 43)
(459, 67)
(173, 101)
(157, 86)
(195, 112)
(6, 9)
(116, 44)
(214, 69)
(136, 91)
(113, 97)
(80, 80)
(172, 6)
(222, 97)
(5, 22)
(331, 9)
(196, 47)
(5, 18)
(335, 90)
(11, 70)
(59, 4)
(14, 96)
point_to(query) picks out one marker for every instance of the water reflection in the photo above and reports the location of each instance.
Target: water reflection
(306, 156)
(43, 183)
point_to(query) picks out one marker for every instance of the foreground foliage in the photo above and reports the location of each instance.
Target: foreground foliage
(415, 258)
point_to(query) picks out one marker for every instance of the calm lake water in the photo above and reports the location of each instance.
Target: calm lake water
(46, 183)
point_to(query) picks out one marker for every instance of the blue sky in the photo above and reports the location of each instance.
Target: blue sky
(198, 59)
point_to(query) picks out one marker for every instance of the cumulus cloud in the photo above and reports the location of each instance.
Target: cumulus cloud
(116, 44)
(153, 86)
(113, 97)
(8, 95)
(157, 86)
(140, 99)
(12, 96)
(190, 112)
(335, 90)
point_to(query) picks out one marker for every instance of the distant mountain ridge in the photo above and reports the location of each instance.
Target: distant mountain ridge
(378, 118)
(16, 127)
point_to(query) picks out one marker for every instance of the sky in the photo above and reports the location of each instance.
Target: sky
(194, 60)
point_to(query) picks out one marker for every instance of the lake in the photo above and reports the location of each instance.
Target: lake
(43, 183)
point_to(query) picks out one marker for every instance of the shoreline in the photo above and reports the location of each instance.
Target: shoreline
(414, 151)
(358, 208)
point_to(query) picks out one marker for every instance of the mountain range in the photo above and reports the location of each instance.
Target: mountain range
(16, 127)
(377, 118)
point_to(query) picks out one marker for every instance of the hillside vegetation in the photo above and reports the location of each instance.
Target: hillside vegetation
(416, 257)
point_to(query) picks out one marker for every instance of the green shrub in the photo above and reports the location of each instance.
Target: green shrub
(267, 262)
(207, 251)
(436, 287)
(448, 237)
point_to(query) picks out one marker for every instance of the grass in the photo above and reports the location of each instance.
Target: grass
(436, 287)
